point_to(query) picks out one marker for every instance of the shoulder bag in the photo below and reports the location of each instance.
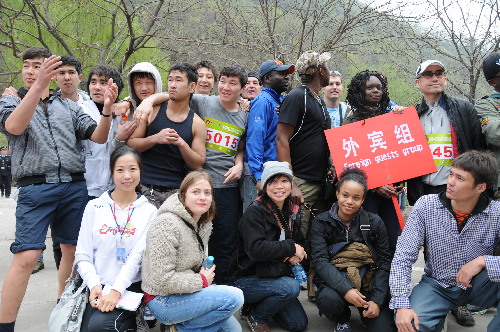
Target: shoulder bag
(68, 313)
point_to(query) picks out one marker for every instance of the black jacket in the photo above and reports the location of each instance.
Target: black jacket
(259, 249)
(465, 122)
(328, 229)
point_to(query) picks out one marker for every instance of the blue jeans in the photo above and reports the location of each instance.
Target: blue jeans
(432, 302)
(275, 298)
(210, 309)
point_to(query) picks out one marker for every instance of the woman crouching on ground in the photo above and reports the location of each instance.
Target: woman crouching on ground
(351, 254)
(177, 290)
(111, 243)
(267, 249)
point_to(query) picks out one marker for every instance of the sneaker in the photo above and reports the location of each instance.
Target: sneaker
(256, 327)
(476, 310)
(38, 267)
(342, 327)
(463, 316)
(149, 318)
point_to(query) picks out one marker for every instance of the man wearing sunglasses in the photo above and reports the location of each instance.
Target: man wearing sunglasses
(452, 127)
(450, 124)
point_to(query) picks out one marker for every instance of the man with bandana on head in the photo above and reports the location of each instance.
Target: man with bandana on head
(300, 139)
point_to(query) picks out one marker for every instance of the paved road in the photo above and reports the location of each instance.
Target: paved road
(42, 289)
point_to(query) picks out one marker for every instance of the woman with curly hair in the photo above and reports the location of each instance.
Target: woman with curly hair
(368, 97)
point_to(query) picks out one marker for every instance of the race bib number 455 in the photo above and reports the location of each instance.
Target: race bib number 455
(441, 148)
(223, 136)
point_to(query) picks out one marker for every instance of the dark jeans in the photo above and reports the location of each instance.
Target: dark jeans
(335, 307)
(117, 320)
(377, 204)
(274, 298)
(222, 242)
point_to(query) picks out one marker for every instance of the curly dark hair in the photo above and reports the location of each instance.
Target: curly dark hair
(356, 175)
(356, 95)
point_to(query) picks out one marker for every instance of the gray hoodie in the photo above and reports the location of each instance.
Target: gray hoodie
(144, 67)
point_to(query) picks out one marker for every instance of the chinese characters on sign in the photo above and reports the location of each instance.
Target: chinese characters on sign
(390, 148)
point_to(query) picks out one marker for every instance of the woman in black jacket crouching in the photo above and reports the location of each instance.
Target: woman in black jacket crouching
(267, 249)
(350, 252)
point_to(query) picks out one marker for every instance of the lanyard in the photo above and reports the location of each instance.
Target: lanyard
(129, 215)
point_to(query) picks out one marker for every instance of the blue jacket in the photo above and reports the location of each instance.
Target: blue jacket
(261, 131)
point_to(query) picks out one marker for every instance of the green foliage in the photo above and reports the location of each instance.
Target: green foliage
(95, 32)
(3, 140)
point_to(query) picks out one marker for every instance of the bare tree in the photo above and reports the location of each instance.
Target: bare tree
(462, 33)
(106, 31)
(249, 32)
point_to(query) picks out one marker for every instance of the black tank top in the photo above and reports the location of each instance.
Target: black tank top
(163, 164)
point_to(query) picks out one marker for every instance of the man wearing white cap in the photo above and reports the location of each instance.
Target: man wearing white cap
(450, 124)
(452, 127)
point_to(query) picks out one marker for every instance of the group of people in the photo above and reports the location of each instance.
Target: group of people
(139, 191)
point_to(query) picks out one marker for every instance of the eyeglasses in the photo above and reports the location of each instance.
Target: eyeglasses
(429, 74)
(335, 73)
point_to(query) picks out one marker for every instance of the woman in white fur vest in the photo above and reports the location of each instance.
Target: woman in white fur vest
(178, 291)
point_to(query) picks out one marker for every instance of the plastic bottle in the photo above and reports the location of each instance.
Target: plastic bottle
(299, 273)
(208, 263)
(124, 119)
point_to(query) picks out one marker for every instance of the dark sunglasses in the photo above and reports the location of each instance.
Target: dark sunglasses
(429, 74)
(335, 73)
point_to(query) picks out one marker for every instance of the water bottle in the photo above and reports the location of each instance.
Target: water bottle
(208, 263)
(299, 273)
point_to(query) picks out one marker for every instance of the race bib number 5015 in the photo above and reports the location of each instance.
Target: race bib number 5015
(223, 136)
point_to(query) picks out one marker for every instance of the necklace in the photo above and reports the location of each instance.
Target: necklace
(318, 99)
(129, 215)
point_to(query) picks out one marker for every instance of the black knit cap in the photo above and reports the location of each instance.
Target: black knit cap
(491, 66)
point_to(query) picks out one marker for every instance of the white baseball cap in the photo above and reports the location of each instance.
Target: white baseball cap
(423, 66)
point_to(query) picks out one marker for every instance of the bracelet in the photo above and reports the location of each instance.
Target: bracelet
(106, 115)
(116, 139)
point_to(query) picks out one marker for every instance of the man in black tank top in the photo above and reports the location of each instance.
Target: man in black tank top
(172, 139)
